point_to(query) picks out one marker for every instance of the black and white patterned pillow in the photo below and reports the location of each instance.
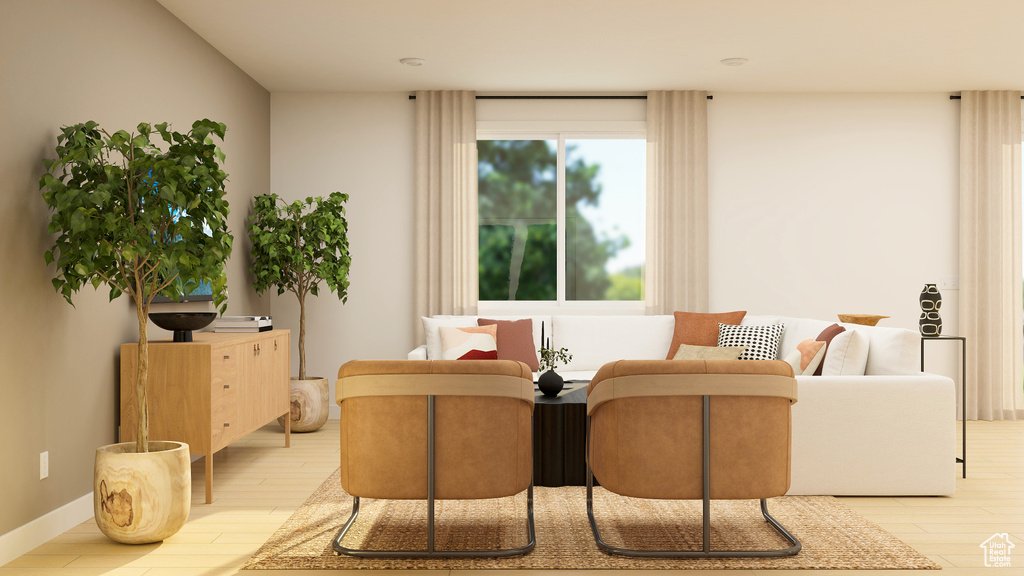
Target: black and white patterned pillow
(762, 341)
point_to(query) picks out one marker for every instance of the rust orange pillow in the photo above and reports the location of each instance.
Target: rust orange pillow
(515, 340)
(697, 329)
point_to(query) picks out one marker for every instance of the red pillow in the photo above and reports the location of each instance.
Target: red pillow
(515, 340)
(698, 329)
(826, 336)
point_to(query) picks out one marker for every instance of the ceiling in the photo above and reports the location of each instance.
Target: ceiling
(617, 46)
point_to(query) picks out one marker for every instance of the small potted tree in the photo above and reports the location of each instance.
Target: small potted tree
(143, 220)
(295, 247)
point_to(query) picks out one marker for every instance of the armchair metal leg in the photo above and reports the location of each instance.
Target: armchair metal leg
(431, 552)
(706, 552)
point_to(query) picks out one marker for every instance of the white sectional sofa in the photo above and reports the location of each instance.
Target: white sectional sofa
(890, 431)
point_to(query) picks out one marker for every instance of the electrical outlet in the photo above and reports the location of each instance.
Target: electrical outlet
(949, 283)
(44, 465)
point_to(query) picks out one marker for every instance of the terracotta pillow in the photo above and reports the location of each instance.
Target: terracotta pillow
(698, 329)
(515, 340)
(826, 336)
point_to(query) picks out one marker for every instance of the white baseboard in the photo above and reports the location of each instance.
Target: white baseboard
(43, 529)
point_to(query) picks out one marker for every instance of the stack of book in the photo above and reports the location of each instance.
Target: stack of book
(243, 324)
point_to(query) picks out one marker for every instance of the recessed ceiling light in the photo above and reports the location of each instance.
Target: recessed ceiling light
(734, 61)
(413, 61)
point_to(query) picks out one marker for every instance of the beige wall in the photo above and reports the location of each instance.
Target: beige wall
(119, 62)
(360, 144)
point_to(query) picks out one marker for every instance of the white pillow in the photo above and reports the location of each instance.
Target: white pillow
(433, 335)
(847, 355)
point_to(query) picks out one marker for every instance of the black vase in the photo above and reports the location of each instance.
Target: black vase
(550, 383)
(930, 323)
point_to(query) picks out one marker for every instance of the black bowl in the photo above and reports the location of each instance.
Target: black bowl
(182, 323)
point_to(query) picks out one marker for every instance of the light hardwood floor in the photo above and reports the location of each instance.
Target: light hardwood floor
(259, 484)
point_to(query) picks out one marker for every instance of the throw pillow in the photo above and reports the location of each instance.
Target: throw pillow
(847, 355)
(515, 340)
(698, 329)
(762, 342)
(687, 352)
(826, 336)
(469, 343)
(807, 356)
(433, 336)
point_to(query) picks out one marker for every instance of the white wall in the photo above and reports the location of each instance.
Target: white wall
(834, 203)
(360, 144)
(819, 204)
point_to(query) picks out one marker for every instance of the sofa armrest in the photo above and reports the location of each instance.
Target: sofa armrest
(419, 353)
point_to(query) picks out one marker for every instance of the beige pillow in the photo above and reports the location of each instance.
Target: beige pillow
(469, 343)
(687, 352)
(807, 356)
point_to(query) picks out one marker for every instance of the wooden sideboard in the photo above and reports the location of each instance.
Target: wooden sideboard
(210, 392)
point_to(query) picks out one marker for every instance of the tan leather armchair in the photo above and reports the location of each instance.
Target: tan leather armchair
(435, 429)
(691, 429)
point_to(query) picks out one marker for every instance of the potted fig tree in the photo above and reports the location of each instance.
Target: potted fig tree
(144, 214)
(295, 248)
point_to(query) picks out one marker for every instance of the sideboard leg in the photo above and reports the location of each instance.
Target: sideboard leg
(288, 429)
(209, 478)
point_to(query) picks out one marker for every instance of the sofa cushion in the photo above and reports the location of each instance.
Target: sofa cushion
(687, 352)
(596, 340)
(515, 340)
(847, 354)
(469, 342)
(891, 350)
(698, 329)
(799, 329)
(762, 342)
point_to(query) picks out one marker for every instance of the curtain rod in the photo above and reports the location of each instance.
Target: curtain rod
(413, 97)
(957, 97)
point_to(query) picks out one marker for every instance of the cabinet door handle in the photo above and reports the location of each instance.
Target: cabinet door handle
(226, 357)
(259, 349)
(275, 345)
(254, 349)
(227, 424)
(226, 386)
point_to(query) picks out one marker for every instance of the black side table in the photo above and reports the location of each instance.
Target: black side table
(560, 437)
(963, 388)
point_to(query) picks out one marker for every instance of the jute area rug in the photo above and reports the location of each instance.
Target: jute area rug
(833, 536)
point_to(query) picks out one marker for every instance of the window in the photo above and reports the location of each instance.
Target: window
(561, 218)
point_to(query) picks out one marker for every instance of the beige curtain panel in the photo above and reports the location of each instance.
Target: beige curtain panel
(446, 205)
(676, 275)
(990, 252)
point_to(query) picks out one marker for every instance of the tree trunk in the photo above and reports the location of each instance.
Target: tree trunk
(302, 336)
(141, 379)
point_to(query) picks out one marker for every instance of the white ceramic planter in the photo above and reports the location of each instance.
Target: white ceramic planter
(142, 498)
(309, 404)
